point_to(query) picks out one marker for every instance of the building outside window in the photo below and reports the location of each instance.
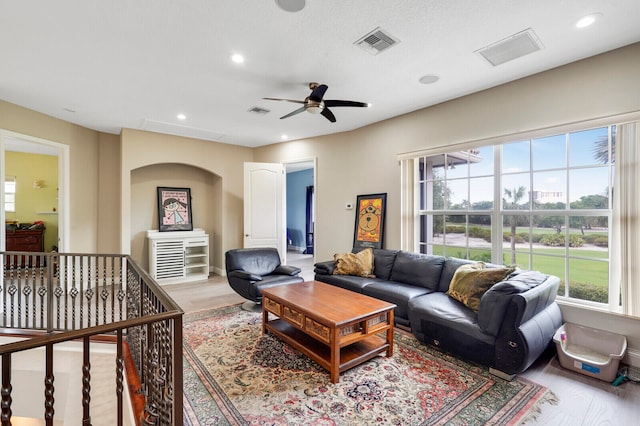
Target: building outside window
(542, 204)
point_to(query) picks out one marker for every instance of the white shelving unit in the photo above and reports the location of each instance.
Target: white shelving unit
(178, 256)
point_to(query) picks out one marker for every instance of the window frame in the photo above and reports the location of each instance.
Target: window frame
(498, 211)
(10, 192)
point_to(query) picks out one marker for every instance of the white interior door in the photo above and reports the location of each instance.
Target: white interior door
(264, 206)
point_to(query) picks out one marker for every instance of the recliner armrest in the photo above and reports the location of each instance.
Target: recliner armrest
(244, 275)
(286, 270)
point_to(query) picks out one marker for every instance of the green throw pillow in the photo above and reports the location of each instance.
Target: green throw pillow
(471, 281)
(358, 264)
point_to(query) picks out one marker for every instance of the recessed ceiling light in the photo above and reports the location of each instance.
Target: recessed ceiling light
(284, 137)
(429, 79)
(291, 5)
(181, 117)
(237, 58)
(588, 20)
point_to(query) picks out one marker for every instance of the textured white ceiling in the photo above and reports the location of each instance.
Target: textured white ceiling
(116, 64)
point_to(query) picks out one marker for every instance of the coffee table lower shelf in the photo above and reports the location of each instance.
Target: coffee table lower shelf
(350, 356)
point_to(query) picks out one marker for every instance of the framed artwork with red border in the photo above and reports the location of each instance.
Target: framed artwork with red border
(369, 226)
(174, 209)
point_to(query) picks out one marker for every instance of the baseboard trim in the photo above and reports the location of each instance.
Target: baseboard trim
(217, 271)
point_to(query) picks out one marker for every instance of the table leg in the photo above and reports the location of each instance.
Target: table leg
(265, 318)
(390, 334)
(335, 355)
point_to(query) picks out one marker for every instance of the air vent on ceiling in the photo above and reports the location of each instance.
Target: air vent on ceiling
(258, 110)
(512, 47)
(377, 41)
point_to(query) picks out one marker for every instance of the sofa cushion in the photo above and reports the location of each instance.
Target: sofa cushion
(359, 264)
(451, 265)
(495, 301)
(438, 314)
(348, 282)
(471, 281)
(398, 293)
(383, 262)
(417, 269)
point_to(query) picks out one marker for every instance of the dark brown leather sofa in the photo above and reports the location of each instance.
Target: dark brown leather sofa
(515, 323)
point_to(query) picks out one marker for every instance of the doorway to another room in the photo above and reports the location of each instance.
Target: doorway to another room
(300, 202)
(34, 188)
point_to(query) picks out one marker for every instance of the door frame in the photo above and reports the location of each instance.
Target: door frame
(314, 161)
(63, 184)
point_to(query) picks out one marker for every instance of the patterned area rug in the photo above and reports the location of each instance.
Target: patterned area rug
(234, 375)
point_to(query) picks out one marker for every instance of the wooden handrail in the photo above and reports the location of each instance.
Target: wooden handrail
(66, 336)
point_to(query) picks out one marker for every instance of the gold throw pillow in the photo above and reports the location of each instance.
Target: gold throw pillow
(358, 264)
(471, 281)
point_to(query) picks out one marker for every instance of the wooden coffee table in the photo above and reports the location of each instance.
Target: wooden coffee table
(336, 328)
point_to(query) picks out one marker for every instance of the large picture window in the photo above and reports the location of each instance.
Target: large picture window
(543, 204)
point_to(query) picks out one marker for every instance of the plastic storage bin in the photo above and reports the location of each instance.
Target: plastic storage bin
(589, 351)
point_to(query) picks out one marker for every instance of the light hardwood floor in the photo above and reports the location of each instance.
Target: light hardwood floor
(583, 400)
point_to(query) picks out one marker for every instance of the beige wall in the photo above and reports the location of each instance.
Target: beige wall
(83, 186)
(108, 240)
(214, 172)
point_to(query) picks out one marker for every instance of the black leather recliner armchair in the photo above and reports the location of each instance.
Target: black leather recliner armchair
(250, 270)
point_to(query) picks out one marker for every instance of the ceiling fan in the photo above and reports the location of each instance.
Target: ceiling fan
(316, 105)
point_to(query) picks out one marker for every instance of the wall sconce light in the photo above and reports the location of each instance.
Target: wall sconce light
(37, 183)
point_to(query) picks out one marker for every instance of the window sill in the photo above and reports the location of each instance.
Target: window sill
(590, 306)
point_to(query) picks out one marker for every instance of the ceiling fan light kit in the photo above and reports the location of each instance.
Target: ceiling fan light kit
(315, 108)
(315, 104)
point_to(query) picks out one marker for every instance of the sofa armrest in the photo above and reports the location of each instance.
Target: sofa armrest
(537, 290)
(531, 302)
(528, 325)
(517, 348)
(325, 268)
(286, 270)
(244, 275)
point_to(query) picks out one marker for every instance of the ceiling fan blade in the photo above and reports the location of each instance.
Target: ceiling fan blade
(298, 111)
(285, 100)
(318, 93)
(337, 103)
(328, 115)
